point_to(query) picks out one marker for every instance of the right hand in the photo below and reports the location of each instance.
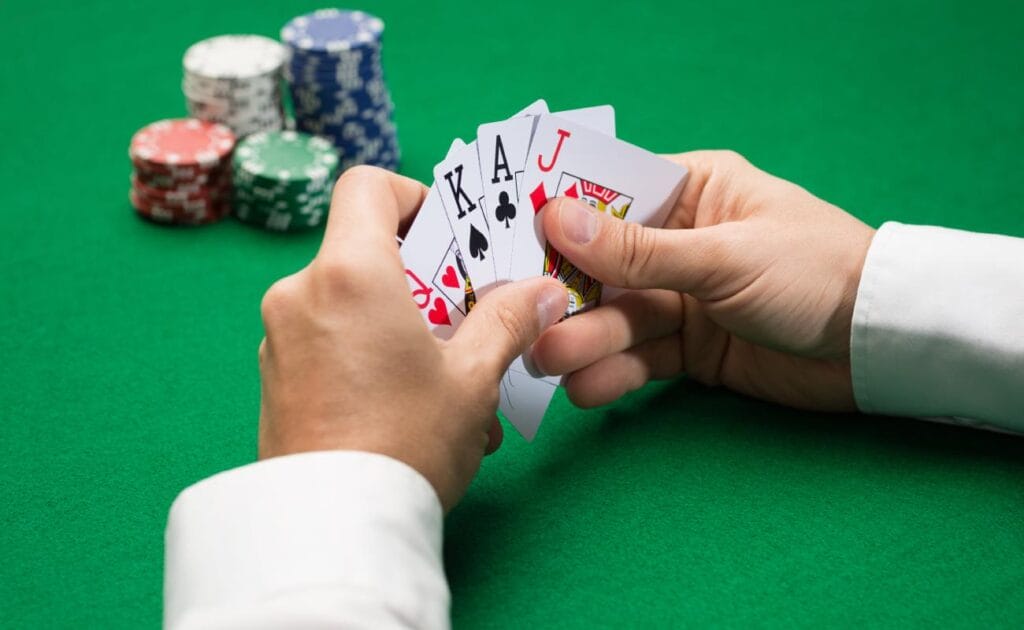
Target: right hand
(750, 284)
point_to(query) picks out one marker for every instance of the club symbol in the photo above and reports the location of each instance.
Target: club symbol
(505, 211)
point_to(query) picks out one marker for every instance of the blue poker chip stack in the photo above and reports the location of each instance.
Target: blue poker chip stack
(337, 84)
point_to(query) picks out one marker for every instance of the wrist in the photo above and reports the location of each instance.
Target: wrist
(851, 271)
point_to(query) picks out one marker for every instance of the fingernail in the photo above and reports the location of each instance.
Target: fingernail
(551, 305)
(578, 221)
(531, 365)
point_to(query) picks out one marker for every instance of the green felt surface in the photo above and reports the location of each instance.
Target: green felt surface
(128, 351)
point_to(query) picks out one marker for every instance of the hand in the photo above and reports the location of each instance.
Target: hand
(751, 284)
(348, 363)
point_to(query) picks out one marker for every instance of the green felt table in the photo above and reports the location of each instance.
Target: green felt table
(128, 350)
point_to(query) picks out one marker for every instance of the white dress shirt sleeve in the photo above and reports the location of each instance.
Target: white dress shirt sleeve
(938, 327)
(338, 539)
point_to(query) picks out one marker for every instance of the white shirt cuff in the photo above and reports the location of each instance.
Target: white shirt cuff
(938, 326)
(324, 539)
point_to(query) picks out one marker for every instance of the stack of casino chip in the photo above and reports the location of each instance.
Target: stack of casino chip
(337, 84)
(182, 171)
(283, 180)
(235, 80)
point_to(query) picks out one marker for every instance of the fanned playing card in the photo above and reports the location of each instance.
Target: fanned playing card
(502, 148)
(457, 179)
(423, 251)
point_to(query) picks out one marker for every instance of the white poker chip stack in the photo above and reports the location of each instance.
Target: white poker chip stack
(236, 80)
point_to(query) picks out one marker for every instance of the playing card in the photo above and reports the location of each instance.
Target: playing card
(457, 179)
(614, 177)
(502, 148)
(423, 251)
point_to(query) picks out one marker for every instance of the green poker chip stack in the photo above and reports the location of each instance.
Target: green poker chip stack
(283, 180)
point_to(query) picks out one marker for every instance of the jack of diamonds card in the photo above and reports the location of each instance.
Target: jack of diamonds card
(612, 176)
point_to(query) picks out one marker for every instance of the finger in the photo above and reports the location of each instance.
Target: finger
(495, 436)
(623, 323)
(368, 208)
(615, 376)
(625, 254)
(506, 321)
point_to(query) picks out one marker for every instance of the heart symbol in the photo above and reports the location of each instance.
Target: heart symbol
(449, 278)
(439, 314)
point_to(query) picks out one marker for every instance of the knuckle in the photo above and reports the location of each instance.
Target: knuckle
(278, 301)
(336, 268)
(637, 252)
(732, 158)
(344, 273)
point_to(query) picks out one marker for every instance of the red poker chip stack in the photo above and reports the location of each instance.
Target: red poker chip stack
(182, 171)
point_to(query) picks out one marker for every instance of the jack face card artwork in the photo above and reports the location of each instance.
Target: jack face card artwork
(584, 291)
(424, 249)
(457, 179)
(610, 175)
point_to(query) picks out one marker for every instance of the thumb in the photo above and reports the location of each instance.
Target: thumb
(629, 255)
(508, 319)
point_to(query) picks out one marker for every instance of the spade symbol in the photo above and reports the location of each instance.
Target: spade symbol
(477, 243)
(505, 210)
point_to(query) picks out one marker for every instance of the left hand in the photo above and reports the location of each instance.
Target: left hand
(348, 362)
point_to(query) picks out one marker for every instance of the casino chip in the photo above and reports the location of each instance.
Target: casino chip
(182, 171)
(235, 80)
(337, 87)
(283, 180)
